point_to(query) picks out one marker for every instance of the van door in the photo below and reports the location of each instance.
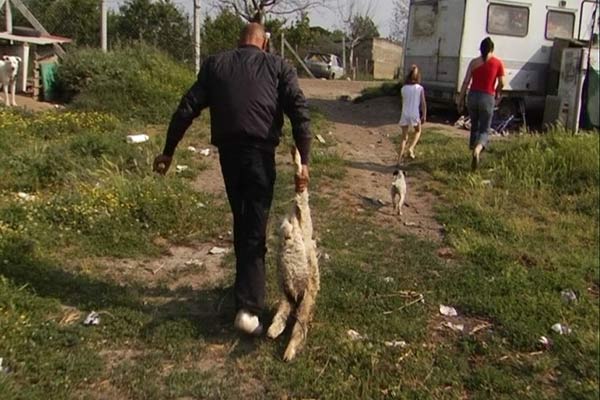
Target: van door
(433, 42)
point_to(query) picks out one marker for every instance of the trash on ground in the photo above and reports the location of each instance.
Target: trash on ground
(201, 204)
(395, 343)
(205, 152)
(134, 139)
(388, 279)
(161, 266)
(217, 250)
(3, 369)
(411, 224)
(568, 296)
(448, 311)
(93, 318)
(561, 329)
(320, 139)
(354, 335)
(454, 327)
(326, 257)
(544, 342)
(180, 168)
(194, 262)
(192, 149)
(487, 182)
(26, 196)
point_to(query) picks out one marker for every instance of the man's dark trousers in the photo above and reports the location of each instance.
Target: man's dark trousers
(249, 175)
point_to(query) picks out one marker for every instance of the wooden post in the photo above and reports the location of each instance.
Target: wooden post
(299, 59)
(103, 26)
(36, 79)
(24, 66)
(197, 36)
(8, 16)
(344, 53)
(282, 44)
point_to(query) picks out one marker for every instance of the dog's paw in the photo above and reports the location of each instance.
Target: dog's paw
(290, 353)
(276, 329)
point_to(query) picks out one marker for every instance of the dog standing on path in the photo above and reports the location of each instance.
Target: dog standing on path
(398, 191)
(298, 270)
(9, 67)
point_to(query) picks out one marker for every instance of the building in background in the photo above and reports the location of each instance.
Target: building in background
(378, 58)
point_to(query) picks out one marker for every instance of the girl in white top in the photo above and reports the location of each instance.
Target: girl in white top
(414, 111)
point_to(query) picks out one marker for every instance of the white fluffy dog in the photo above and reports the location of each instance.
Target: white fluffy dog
(298, 270)
(9, 67)
(398, 191)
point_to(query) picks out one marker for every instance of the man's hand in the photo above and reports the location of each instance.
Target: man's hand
(161, 164)
(302, 179)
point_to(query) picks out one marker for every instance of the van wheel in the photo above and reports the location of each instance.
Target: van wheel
(332, 76)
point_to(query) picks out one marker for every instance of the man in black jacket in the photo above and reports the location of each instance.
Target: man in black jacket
(247, 90)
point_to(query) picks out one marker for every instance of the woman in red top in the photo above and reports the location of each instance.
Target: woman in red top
(486, 76)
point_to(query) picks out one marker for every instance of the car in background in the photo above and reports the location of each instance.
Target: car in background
(324, 65)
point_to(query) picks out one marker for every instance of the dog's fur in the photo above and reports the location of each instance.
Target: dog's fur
(398, 191)
(9, 68)
(298, 270)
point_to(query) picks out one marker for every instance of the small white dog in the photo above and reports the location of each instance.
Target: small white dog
(398, 191)
(298, 270)
(9, 68)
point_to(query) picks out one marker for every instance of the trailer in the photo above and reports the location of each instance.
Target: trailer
(444, 36)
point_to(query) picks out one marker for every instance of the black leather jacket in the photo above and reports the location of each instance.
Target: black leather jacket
(247, 91)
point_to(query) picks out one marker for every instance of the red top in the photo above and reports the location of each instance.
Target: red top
(484, 76)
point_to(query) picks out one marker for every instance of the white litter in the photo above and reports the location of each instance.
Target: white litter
(545, 342)
(327, 257)
(411, 224)
(205, 152)
(26, 196)
(93, 318)
(353, 335)
(201, 204)
(217, 250)
(192, 149)
(454, 327)
(396, 343)
(194, 262)
(134, 139)
(320, 139)
(180, 168)
(561, 329)
(388, 279)
(448, 311)
(568, 296)
(3, 369)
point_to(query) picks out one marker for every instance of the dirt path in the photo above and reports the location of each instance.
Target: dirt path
(364, 133)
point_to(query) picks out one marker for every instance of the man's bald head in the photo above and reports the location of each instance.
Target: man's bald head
(254, 34)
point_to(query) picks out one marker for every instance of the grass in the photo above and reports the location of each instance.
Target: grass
(522, 229)
(385, 89)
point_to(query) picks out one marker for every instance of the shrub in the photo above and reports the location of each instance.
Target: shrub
(135, 83)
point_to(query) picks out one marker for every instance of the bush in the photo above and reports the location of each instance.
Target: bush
(136, 83)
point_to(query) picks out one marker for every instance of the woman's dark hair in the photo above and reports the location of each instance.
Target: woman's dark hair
(414, 75)
(486, 47)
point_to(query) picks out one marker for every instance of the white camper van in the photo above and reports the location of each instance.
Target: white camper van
(444, 36)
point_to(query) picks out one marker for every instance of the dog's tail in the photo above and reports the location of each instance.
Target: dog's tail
(296, 159)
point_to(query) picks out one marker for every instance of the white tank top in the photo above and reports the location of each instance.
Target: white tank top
(411, 101)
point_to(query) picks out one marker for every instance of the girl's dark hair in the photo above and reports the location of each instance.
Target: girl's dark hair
(414, 75)
(486, 47)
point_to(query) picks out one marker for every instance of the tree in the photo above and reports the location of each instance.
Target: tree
(221, 33)
(257, 10)
(358, 24)
(399, 22)
(158, 23)
(75, 19)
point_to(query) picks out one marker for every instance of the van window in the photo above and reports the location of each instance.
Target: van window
(508, 20)
(559, 25)
(424, 19)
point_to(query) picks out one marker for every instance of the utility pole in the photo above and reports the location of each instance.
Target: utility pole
(197, 36)
(103, 26)
(344, 53)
